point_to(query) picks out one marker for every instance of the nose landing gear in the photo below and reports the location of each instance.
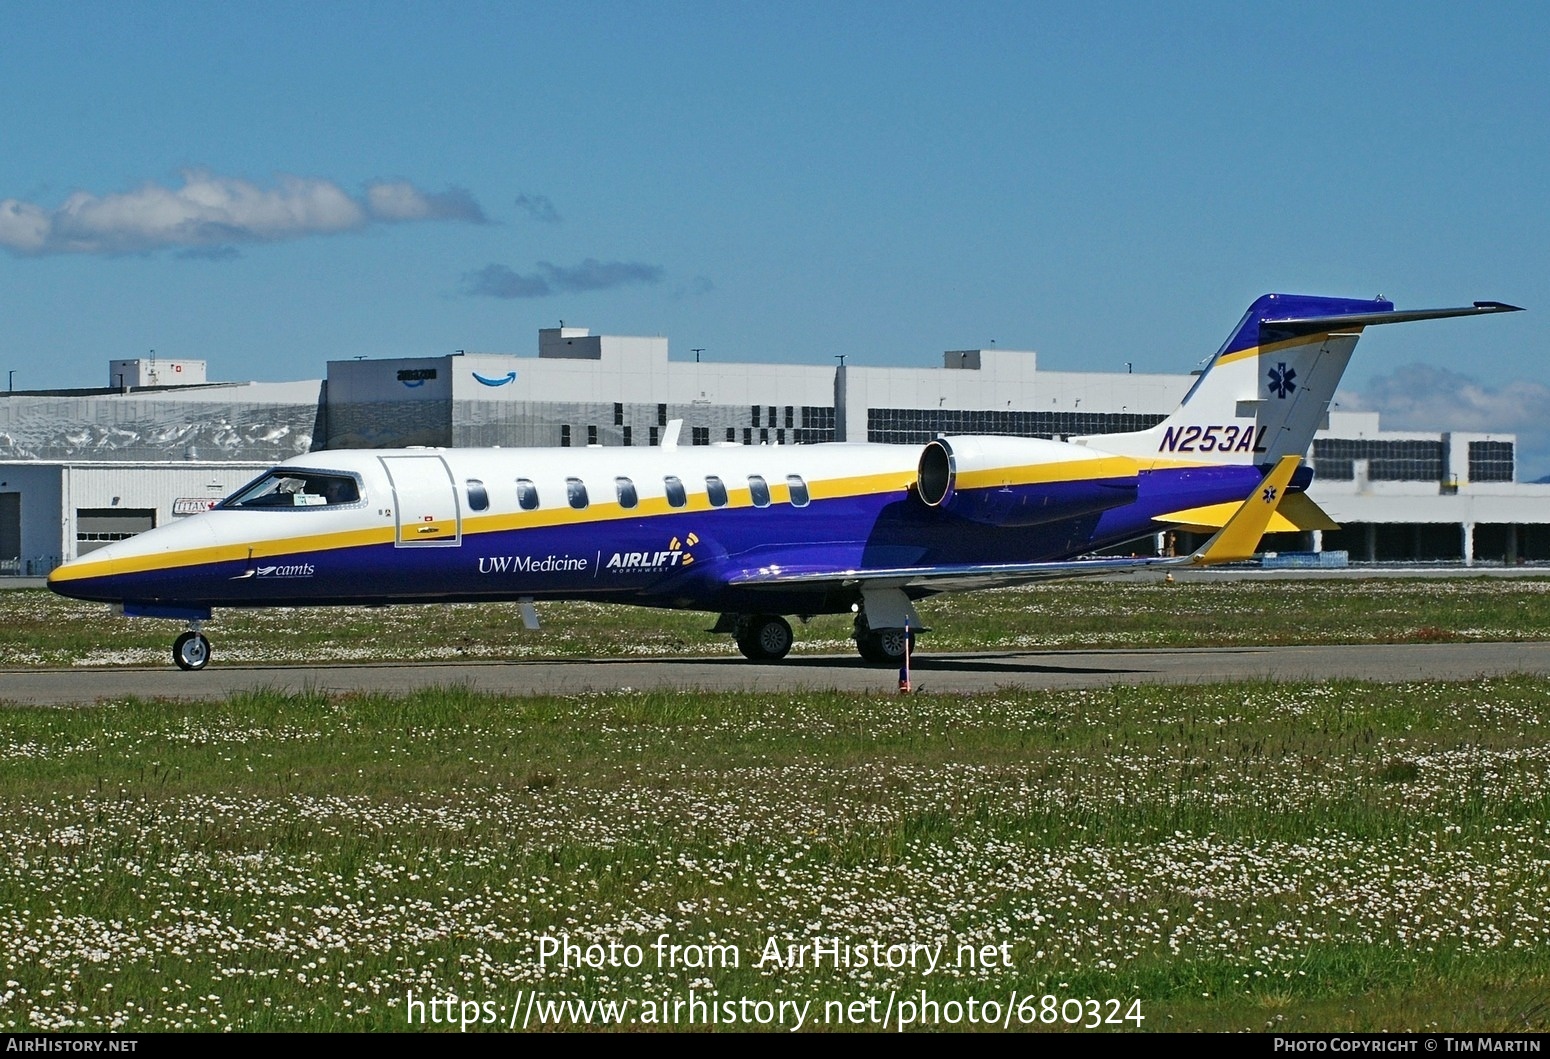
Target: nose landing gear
(192, 649)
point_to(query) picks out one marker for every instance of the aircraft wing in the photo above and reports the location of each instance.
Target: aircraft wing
(1234, 542)
(958, 578)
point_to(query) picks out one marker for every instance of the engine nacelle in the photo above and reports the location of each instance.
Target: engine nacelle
(1000, 481)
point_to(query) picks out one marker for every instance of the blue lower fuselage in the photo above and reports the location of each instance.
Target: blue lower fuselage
(686, 560)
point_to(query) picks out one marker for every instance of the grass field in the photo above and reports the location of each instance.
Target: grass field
(1250, 856)
(1232, 857)
(38, 628)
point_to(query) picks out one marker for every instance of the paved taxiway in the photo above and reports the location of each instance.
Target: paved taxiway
(966, 672)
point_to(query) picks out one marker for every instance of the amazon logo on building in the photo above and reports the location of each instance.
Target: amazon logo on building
(413, 377)
(509, 377)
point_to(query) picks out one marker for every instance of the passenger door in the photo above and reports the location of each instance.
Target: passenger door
(424, 500)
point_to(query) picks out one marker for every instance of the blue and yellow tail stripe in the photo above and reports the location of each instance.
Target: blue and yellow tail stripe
(1250, 337)
(1271, 348)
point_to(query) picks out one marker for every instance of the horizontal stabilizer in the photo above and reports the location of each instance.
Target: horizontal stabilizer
(1272, 330)
(1296, 513)
(1300, 510)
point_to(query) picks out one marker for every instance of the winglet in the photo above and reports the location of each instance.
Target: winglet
(1238, 539)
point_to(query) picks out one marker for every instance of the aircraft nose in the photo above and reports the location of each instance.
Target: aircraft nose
(127, 569)
(83, 578)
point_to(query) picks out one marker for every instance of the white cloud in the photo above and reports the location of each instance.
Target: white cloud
(1422, 397)
(399, 200)
(210, 211)
(23, 226)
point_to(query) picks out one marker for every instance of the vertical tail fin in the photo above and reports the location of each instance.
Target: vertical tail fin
(1266, 392)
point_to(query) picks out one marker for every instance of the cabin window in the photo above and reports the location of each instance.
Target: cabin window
(716, 490)
(627, 496)
(527, 494)
(676, 496)
(283, 487)
(798, 490)
(478, 496)
(576, 493)
(759, 490)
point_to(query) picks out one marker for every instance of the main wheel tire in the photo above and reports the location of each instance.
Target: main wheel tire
(882, 647)
(764, 637)
(892, 644)
(191, 650)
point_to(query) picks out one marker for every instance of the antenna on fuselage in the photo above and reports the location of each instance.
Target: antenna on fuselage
(670, 434)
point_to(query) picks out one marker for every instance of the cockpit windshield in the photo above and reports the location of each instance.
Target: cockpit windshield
(285, 487)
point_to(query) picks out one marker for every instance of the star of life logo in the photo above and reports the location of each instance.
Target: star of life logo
(1281, 378)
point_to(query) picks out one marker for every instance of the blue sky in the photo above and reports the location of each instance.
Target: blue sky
(271, 186)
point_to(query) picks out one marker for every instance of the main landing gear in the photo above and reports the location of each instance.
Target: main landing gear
(767, 638)
(881, 646)
(192, 649)
(763, 637)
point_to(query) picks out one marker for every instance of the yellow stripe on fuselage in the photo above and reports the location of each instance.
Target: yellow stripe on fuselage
(738, 497)
(268, 548)
(87, 566)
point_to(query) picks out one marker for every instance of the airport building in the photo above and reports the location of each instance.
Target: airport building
(81, 467)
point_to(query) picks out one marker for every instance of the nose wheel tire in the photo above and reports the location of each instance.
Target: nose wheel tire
(191, 651)
(764, 637)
